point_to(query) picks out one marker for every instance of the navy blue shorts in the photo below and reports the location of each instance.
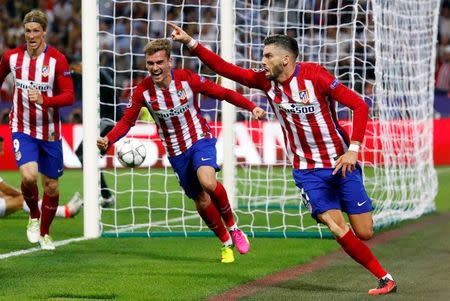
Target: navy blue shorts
(47, 154)
(201, 153)
(322, 191)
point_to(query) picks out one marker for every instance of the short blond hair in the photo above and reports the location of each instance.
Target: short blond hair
(158, 45)
(37, 16)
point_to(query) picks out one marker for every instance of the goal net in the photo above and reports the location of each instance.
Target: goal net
(384, 50)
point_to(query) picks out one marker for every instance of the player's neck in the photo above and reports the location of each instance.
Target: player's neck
(165, 83)
(34, 53)
(287, 73)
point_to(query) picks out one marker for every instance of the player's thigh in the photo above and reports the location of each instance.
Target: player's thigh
(26, 150)
(51, 163)
(29, 172)
(318, 193)
(207, 177)
(335, 221)
(353, 195)
(186, 174)
(362, 225)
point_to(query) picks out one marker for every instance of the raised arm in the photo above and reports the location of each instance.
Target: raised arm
(246, 77)
(206, 87)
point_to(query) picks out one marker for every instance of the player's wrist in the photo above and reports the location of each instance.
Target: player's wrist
(354, 147)
(191, 44)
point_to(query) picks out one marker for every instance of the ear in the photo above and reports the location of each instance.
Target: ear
(286, 60)
(170, 63)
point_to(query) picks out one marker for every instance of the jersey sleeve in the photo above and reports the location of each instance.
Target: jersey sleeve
(64, 95)
(330, 86)
(247, 77)
(206, 87)
(129, 117)
(4, 67)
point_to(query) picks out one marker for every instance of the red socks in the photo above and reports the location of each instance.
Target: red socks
(31, 197)
(361, 253)
(220, 200)
(212, 219)
(49, 206)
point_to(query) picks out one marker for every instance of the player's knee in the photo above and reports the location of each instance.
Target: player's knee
(209, 185)
(51, 188)
(364, 234)
(29, 180)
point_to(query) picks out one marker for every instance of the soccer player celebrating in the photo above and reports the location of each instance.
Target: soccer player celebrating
(171, 96)
(42, 85)
(302, 96)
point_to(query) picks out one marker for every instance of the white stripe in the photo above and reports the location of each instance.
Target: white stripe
(51, 79)
(12, 66)
(38, 78)
(35, 249)
(25, 101)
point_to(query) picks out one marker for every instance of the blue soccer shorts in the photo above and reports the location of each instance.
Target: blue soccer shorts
(47, 154)
(323, 191)
(185, 165)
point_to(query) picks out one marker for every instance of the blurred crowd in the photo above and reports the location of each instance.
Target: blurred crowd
(125, 28)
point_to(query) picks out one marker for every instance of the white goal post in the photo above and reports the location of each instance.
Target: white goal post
(384, 50)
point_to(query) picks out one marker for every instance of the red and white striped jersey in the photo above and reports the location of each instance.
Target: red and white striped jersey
(304, 105)
(176, 109)
(49, 73)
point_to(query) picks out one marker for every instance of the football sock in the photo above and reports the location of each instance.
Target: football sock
(49, 207)
(234, 227)
(31, 196)
(2, 207)
(361, 253)
(212, 219)
(220, 200)
(62, 211)
(228, 243)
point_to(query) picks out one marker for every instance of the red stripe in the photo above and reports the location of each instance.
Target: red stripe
(19, 113)
(56, 124)
(336, 130)
(299, 130)
(175, 121)
(45, 134)
(161, 123)
(32, 105)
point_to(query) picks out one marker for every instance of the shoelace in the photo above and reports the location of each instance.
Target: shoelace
(382, 283)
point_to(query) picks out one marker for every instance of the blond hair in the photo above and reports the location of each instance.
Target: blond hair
(36, 16)
(158, 45)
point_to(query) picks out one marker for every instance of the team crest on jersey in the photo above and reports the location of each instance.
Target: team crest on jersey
(18, 155)
(181, 94)
(45, 71)
(304, 96)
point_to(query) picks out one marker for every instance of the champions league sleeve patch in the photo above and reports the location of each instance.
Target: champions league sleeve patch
(334, 84)
(202, 79)
(67, 73)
